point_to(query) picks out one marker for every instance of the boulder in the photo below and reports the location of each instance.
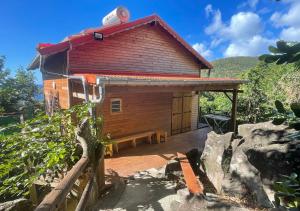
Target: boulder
(212, 157)
(248, 165)
(185, 201)
(242, 171)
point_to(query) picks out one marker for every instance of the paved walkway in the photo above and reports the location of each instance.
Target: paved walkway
(145, 156)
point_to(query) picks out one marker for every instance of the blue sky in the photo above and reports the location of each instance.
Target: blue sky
(215, 28)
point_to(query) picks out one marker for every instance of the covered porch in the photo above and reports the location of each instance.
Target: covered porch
(169, 103)
(147, 156)
(133, 105)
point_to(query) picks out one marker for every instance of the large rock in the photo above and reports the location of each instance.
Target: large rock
(212, 157)
(242, 171)
(185, 201)
(249, 165)
(262, 133)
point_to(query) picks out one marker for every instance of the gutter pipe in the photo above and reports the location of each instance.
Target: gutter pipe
(101, 87)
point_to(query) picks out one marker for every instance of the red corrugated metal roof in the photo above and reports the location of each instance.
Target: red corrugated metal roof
(87, 36)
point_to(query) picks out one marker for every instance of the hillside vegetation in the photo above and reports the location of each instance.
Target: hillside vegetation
(233, 66)
(266, 84)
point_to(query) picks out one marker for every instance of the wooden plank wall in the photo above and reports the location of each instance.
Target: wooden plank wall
(147, 48)
(56, 88)
(56, 85)
(140, 112)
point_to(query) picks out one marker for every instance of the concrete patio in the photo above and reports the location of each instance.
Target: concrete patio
(146, 156)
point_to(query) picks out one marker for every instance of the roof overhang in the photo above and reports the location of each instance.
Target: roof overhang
(122, 80)
(35, 64)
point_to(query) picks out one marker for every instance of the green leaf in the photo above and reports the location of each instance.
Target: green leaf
(282, 46)
(295, 48)
(278, 121)
(294, 175)
(273, 49)
(263, 57)
(294, 58)
(272, 58)
(280, 107)
(295, 107)
(269, 58)
(295, 125)
(283, 59)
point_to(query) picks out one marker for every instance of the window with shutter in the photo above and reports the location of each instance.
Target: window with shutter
(115, 106)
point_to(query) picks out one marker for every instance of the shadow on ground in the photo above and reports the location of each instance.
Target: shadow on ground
(142, 192)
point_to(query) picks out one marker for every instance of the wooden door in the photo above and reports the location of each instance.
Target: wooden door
(181, 113)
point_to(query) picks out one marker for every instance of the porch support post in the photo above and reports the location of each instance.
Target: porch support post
(233, 111)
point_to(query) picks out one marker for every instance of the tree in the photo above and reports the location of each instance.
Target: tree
(17, 91)
(253, 102)
(3, 72)
(287, 53)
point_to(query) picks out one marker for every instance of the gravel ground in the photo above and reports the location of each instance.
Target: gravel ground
(152, 190)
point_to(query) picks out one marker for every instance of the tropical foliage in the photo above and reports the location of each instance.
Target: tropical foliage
(292, 118)
(266, 83)
(43, 147)
(283, 53)
(18, 91)
(288, 192)
(287, 189)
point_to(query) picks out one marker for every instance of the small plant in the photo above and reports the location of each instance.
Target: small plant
(292, 118)
(288, 192)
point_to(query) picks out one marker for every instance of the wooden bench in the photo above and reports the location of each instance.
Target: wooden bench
(161, 134)
(132, 139)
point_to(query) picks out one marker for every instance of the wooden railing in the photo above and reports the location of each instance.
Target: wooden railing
(89, 160)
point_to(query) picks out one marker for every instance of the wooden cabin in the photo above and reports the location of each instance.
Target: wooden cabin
(147, 76)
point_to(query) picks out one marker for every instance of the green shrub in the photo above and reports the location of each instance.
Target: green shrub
(45, 143)
(288, 192)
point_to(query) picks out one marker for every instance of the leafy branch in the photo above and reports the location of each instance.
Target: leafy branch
(283, 53)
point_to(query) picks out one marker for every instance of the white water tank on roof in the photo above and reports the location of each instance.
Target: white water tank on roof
(117, 16)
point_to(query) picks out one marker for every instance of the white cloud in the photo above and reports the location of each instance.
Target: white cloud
(243, 32)
(200, 48)
(252, 3)
(291, 18)
(215, 42)
(244, 25)
(264, 10)
(256, 45)
(208, 10)
(290, 34)
(289, 21)
(216, 24)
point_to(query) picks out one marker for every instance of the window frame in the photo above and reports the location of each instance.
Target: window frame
(111, 103)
